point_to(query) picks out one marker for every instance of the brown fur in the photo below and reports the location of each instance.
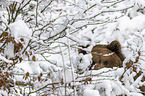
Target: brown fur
(107, 55)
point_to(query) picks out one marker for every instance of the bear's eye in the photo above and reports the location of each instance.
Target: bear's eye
(105, 62)
(93, 63)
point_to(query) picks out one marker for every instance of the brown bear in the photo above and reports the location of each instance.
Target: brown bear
(107, 56)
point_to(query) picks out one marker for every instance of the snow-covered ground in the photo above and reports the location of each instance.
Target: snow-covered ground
(53, 36)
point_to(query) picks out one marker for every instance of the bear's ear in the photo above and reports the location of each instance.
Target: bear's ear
(115, 46)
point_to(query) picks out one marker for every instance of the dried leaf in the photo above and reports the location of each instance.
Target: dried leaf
(1, 50)
(34, 58)
(39, 78)
(32, 87)
(134, 68)
(129, 64)
(2, 40)
(20, 59)
(22, 39)
(27, 75)
(26, 53)
(62, 81)
(48, 74)
(20, 45)
(89, 79)
(41, 74)
(9, 39)
(139, 53)
(4, 34)
(69, 84)
(137, 59)
(17, 47)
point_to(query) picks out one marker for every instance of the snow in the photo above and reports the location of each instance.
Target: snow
(124, 24)
(68, 74)
(6, 60)
(9, 52)
(19, 29)
(137, 23)
(3, 93)
(85, 25)
(90, 92)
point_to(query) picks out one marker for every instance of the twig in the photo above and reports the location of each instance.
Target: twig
(46, 6)
(63, 67)
(37, 14)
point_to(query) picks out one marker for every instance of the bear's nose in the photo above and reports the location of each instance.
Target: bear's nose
(99, 61)
(100, 56)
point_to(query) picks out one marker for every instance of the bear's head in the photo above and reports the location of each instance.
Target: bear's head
(107, 56)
